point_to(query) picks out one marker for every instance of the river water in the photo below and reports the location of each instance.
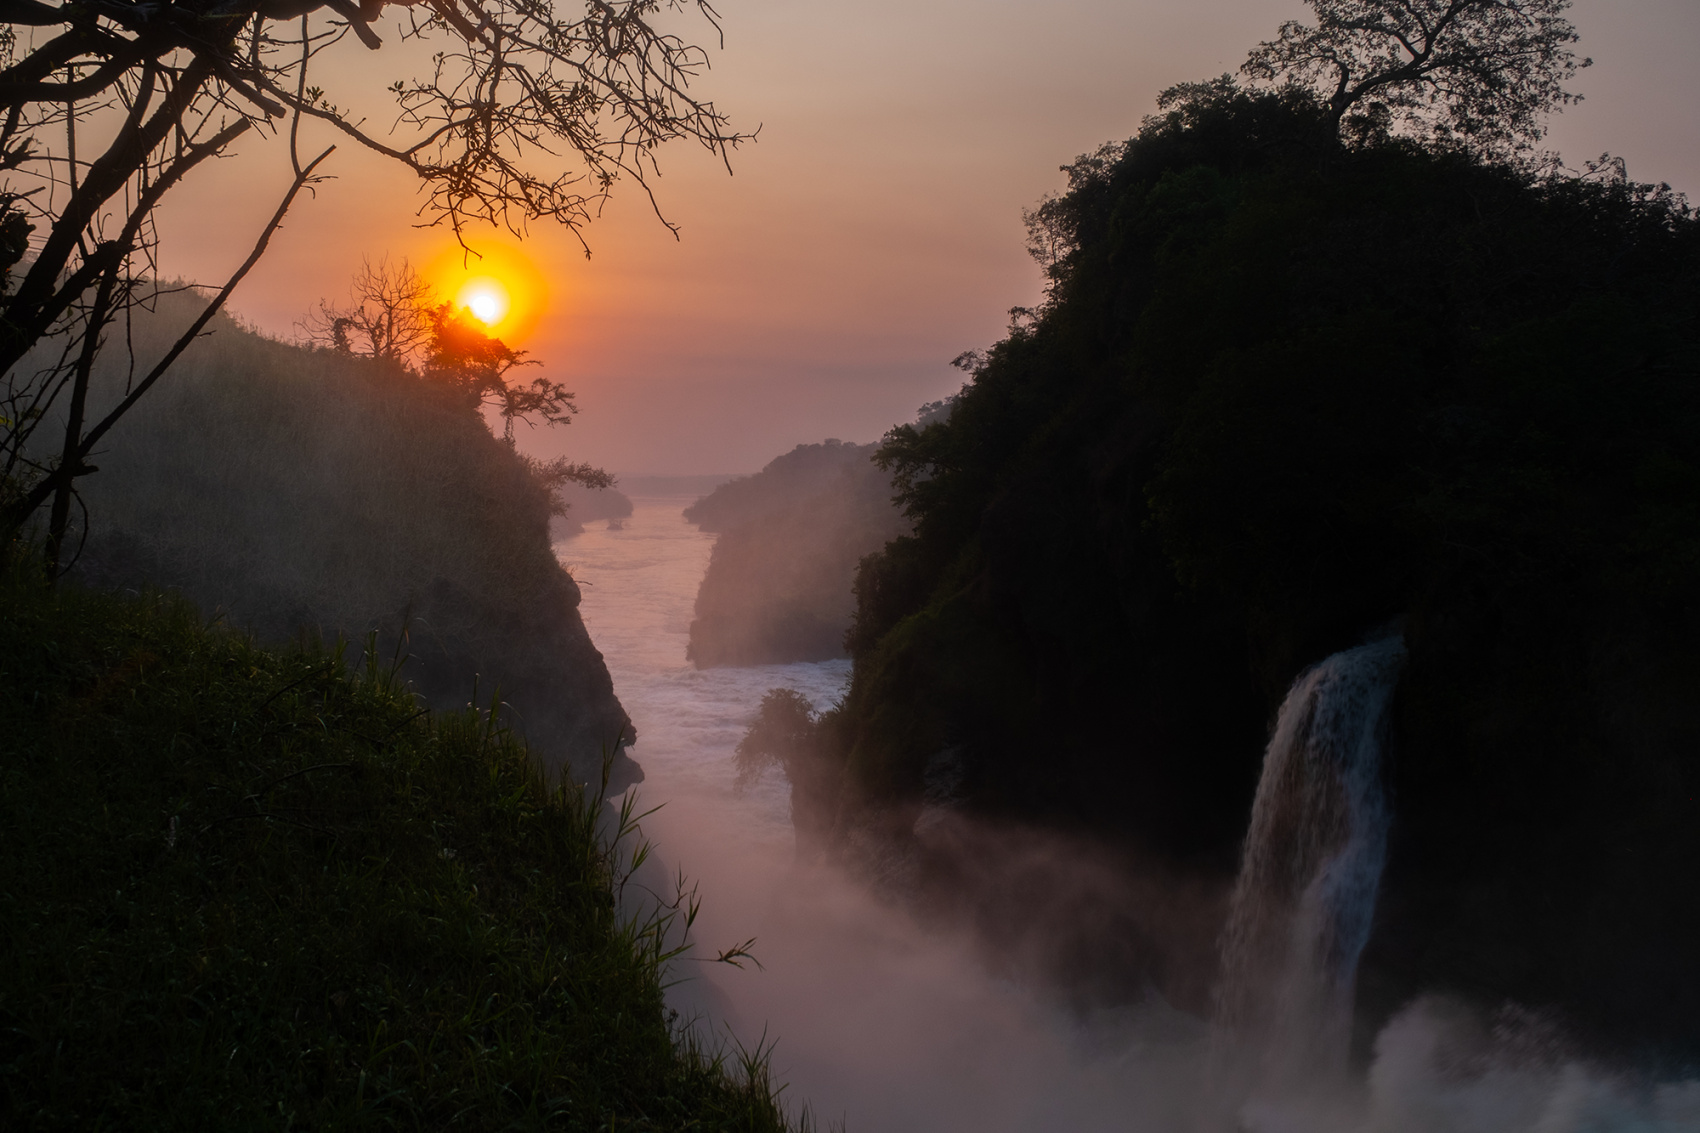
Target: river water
(884, 1026)
(876, 1022)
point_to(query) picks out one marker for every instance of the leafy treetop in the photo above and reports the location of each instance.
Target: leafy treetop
(1473, 74)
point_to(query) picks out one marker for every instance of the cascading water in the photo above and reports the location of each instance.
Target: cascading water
(1301, 908)
(901, 1029)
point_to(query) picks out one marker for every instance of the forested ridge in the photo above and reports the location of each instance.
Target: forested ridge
(308, 493)
(255, 884)
(777, 587)
(1285, 392)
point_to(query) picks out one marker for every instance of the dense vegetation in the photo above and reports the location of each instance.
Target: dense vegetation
(778, 586)
(243, 889)
(310, 492)
(1285, 391)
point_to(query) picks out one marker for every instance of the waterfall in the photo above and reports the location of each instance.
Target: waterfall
(1301, 908)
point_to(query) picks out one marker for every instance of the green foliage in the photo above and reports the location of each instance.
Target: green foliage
(789, 735)
(782, 736)
(249, 890)
(1480, 74)
(943, 674)
(1281, 393)
(890, 583)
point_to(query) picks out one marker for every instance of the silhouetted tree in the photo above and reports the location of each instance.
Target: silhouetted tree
(160, 88)
(1481, 74)
(463, 356)
(789, 735)
(554, 475)
(782, 735)
(388, 318)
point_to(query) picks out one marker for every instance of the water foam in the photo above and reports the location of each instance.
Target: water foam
(1302, 907)
(899, 1029)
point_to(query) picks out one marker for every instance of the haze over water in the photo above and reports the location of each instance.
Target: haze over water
(888, 1026)
(876, 1021)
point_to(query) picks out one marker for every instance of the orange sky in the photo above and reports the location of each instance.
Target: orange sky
(874, 231)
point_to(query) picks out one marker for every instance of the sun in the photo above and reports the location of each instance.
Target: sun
(496, 283)
(487, 298)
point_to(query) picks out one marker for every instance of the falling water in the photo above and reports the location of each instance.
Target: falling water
(900, 1029)
(1302, 906)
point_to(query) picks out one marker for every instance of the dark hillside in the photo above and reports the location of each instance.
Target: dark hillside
(778, 586)
(307, 493)
(1283, 393)
(253, 890)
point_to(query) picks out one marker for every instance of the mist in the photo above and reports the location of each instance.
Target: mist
(779, 584)
(890, 1024)
(1027, 1001)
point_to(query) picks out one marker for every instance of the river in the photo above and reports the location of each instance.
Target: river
(876, 1023)
(883, 1026)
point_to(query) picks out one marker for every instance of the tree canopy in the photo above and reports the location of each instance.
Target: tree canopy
(523, 113)
(1283, 395)
(1481, 74)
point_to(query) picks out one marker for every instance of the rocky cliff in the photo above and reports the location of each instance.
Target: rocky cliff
(303, 493)
(779, 583)
(1284, 394)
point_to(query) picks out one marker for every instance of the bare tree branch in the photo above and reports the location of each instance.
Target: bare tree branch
(523, 114)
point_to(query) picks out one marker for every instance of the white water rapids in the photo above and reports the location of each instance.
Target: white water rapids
(892, 1028)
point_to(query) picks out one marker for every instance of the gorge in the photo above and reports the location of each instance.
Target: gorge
(1261, 699)
(893, 1017)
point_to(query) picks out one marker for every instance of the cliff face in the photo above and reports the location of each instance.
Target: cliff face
(588, 505)
(1283, 396)
(294, 492)
(778, 585)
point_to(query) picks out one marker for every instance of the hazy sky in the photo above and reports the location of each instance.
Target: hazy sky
(874, 231)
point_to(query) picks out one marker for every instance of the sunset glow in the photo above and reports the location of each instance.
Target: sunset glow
(487, 299)
(1134, 551)
(863, 242)
(501, 286)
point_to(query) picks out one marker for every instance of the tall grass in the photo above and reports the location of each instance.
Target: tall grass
(243, 889)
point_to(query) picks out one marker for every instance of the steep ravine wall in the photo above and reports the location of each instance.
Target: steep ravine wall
(779, 581)
(299, 493)
(1277, 399)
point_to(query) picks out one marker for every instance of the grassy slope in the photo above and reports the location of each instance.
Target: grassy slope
(241, 890)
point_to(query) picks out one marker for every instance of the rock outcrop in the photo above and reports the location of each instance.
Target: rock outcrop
(301, 493)
(779, 585)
